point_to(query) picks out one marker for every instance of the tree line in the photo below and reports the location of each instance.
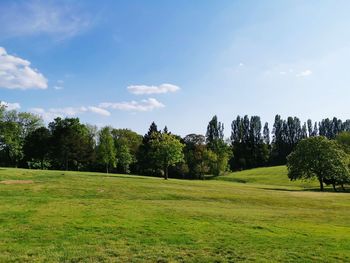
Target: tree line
(67, 144)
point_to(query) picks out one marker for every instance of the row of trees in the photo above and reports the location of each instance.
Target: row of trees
(251, 143)
(68, 144)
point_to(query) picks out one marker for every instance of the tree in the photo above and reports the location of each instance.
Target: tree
(72, 144)
(145, 162)
(195, 153)
(124, 158)
(127, 143)
(343, 139)
(37, 145)
(266, 134)
(318, 157)
(166, 149)
(215, 133)
(105, 149)
(216, 144)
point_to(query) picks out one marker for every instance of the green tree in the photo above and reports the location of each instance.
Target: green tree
(124, 158)
(37, 146)
(318, 157)
(127, 143)
(343, 139)
(72, 144)
(195, 152)
(146, 164)
(167, 150)
(215, 143)
(106, 149)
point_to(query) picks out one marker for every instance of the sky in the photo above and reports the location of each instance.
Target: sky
(178, 63)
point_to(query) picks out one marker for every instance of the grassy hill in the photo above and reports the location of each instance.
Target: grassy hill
(255, 215)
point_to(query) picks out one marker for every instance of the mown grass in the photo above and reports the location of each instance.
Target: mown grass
(255, 215)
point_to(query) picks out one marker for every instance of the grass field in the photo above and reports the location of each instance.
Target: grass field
(255, 215)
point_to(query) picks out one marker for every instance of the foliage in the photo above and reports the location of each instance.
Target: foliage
(320, 158)
(166, 149)
(250, 149)
(219, 151)
(106, 151)
(37, 146)
(72, 145)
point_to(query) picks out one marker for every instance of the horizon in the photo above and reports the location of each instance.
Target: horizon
(128, 64)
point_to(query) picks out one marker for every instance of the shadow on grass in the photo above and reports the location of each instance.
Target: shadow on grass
(326, 190)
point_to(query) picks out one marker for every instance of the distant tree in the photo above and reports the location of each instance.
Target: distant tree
(343, 139)
(195, 153)
(37, 146)
(124, 157)
(11, 143)
(72, 145)
(318, 157)
(216, 144)
(166, 149)
(266, 134)
(127, 144)
(106, 152)
(146, 164)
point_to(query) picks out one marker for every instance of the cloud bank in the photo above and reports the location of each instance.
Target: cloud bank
(50, 114)
(144, 89)
(143, 105)
(16, 73)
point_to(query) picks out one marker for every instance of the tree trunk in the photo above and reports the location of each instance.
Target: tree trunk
(166, 173)
(321, 184)
(342, 187)
(334, 187)
(106, 167)
(42, 164)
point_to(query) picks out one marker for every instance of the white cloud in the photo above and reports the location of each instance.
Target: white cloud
(144, 105)
(241, 64)
(52, 113)
(304, 73)
(10, 106)
(42, 17)
(98, 110)
(144, 89)
(16, 73)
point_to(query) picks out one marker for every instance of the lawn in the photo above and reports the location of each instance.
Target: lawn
(254, 215)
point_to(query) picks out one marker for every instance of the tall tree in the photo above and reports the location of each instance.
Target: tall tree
(266, 134)
(216, 144)
(37, 146)
(106, 149)
(146, 164)
(195, 153)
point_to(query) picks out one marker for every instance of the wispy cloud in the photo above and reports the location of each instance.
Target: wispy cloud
(57, 87)
(304, 73)
(144, 105)
(10, 106)
(26, 18)
(50, 114)
(144, 89)
(16, 73)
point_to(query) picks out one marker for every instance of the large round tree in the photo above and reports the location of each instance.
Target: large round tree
(318, 157)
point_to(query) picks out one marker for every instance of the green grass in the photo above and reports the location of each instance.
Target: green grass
(255, 215)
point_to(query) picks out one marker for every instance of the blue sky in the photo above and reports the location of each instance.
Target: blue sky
(128, 63)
